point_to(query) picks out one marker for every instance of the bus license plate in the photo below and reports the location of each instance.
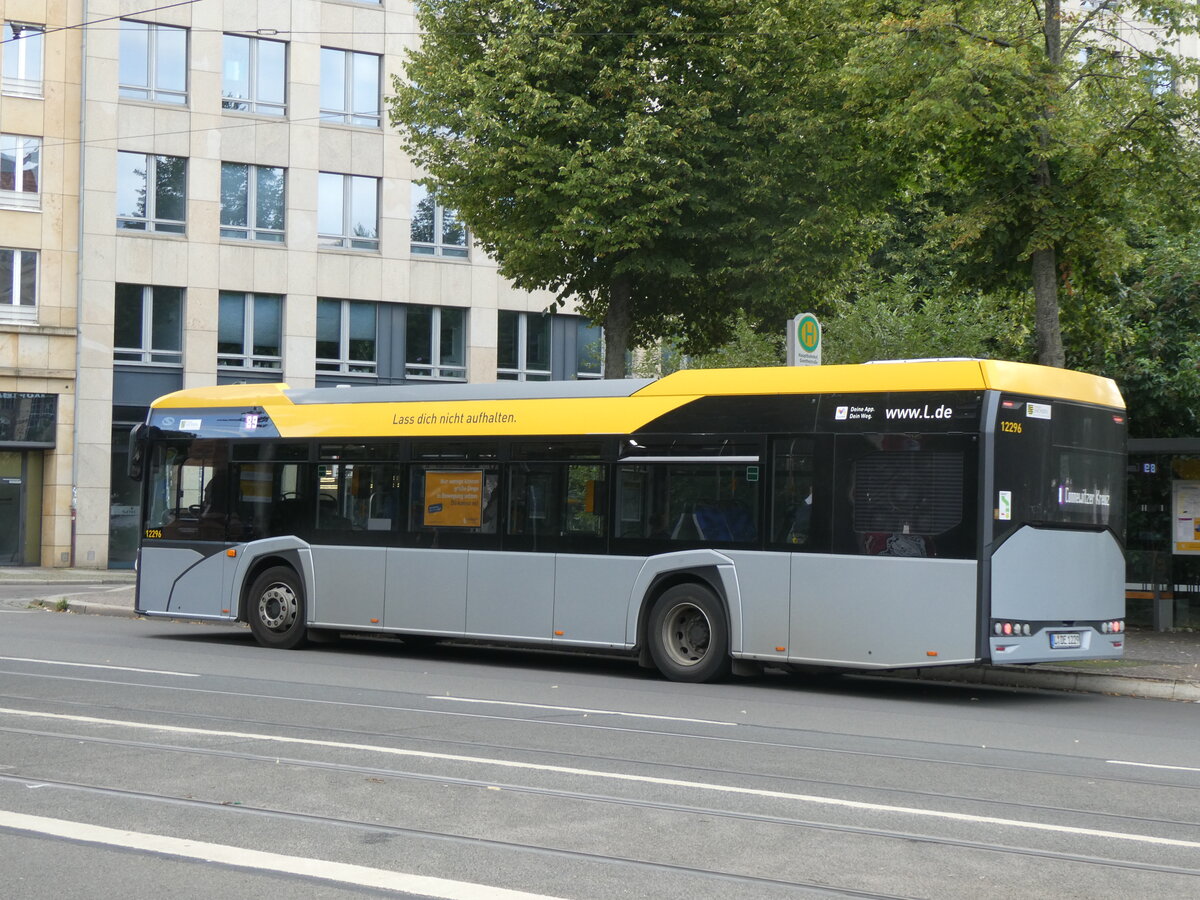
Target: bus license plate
(1065, 640)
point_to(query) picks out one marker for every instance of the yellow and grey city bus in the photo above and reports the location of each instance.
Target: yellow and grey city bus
(872, 516)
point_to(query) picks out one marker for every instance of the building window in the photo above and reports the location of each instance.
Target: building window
(18, 283)
(23, 48)
(153, 62)
(253, 201)
(254, 76)
(148, 325)
(523, 347)
(348, 211)
(350, 88)
(436, 231)
(346, 331)
(249, 331)
(151, 192)
(589, 351)
(1158, 77)
(20, 169)
(435, 342)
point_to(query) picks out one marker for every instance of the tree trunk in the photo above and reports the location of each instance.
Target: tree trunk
(1044, 261)
(1046, 323)
(617, 322)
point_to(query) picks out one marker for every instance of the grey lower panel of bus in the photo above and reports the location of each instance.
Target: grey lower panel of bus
(854, 611)
(1030, 583)
(514, 596)
(865, 612)
(882, 612)
(180, 582)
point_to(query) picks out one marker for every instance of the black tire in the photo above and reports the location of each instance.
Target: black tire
(688, 634)
(275, 609)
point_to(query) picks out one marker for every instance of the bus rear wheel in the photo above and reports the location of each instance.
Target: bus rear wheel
(275, 609)
(688, 634)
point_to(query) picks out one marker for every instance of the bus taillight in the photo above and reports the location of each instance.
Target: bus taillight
(1007, 629)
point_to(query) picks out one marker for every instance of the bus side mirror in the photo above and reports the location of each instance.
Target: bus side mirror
(138, 440)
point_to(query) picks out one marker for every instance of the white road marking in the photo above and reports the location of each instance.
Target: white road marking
(344, 873)
(622, 776)
(578, 709)
(55, 662)
(1122, 762)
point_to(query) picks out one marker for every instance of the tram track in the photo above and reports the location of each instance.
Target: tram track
(581, 796)
(375, 828)
(1097, 775)
(543, 850)
(555, 721)
(836, 788)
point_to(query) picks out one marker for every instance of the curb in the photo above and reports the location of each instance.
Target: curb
(85, 607)
(106, 580)
(1081, 682)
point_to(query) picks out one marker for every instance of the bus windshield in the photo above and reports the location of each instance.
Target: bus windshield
(1059, 464)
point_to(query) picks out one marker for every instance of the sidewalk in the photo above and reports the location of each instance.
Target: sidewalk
(1164, 665)
(1157, 664)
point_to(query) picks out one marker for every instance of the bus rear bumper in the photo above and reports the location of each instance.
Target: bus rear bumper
(1039, 647)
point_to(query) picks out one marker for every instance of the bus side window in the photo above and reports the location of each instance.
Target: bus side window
(534, 499)
(633, 507)
(792, 501)
(908, 495)
(584, 501)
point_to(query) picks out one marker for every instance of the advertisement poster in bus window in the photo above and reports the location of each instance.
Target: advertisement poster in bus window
(254, 484)
(454, 499)
(1185, 506)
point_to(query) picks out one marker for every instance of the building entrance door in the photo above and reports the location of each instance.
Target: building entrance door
(20, 507)
(11, 494)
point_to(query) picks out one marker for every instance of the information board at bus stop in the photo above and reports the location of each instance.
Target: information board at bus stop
(1185, 517)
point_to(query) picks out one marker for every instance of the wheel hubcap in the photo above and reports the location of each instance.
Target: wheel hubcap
(277, 607)
(686, 632)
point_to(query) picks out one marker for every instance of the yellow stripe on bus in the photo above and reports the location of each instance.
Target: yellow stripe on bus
(412, 416)
(451, 418)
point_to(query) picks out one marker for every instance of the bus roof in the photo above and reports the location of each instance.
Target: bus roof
(609, 406)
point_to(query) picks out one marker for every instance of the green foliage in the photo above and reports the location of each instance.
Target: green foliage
(1156, 356)
(692, 163)
(749, 345)
(1036, 133)
(901, 318)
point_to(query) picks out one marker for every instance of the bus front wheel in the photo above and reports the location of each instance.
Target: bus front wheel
(688, 634)
(275, 609)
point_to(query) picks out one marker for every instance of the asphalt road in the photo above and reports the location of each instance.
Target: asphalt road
(166, 759)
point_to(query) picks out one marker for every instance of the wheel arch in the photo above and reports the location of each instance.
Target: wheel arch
(710, 569)
(258, 558)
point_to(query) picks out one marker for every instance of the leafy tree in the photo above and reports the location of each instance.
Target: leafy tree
(1038, 137)
(900, 318)
(1157, 361)
(661, 164)
(749, 345)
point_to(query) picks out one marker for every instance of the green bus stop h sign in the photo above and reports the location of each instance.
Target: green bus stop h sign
(804, 341)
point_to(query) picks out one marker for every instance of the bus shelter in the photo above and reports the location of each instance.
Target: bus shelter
(1163, 533)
